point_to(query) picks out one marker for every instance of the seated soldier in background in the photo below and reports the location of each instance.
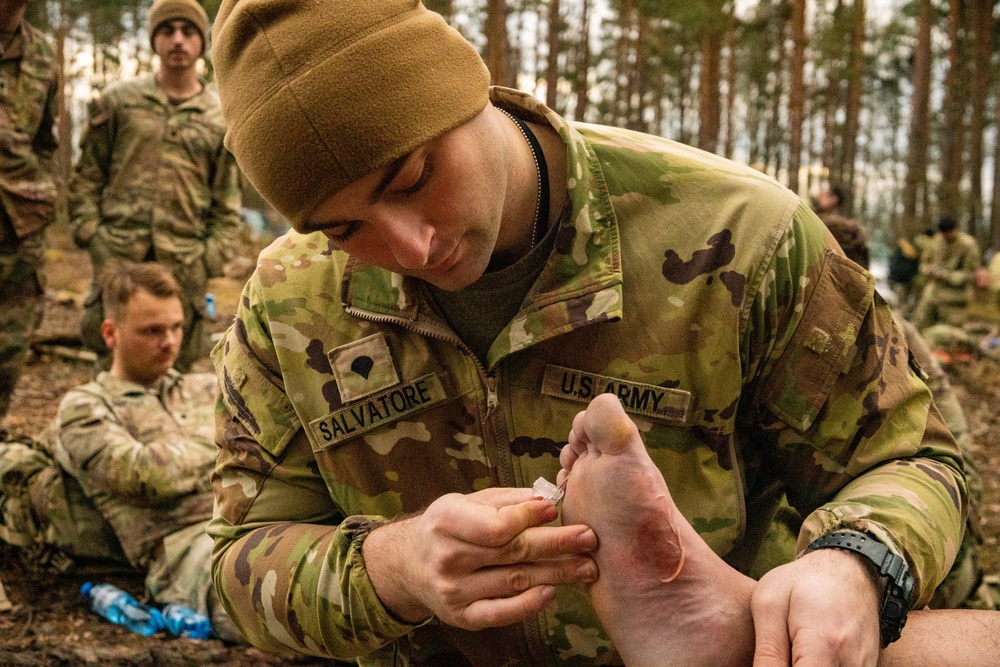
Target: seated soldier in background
(949, 267)
(139, 439)
(965, 576)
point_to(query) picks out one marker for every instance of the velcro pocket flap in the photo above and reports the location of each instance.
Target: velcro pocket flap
(260, 405)
(823, 345)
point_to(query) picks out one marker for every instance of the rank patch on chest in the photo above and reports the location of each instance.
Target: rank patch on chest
(363, 368)
(670, 405)
(376, 411)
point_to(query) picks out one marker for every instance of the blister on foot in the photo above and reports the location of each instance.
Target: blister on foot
(546, 490)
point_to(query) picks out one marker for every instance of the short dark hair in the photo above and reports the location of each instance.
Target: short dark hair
(839, 192)
(121, 280)
(852, 237)
(946, 224)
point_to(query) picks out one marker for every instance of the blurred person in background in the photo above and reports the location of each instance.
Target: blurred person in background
(154, 181)
(28, 98)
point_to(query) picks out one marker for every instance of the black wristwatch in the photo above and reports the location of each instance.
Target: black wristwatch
(899, 589)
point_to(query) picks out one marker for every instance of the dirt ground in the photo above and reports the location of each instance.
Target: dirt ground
(50, 625)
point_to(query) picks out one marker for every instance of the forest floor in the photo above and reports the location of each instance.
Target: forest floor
(50, 625)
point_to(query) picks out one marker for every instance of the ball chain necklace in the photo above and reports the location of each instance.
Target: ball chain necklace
(542, 202)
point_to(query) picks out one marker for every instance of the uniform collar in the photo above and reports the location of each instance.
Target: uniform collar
(20, 44)
(118, 387)
(150, 89)
(581, 281)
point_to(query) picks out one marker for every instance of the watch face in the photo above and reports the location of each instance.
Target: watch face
(893, 609)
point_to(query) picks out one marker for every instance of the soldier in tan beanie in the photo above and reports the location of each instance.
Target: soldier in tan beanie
(468, 271)
(174, 10)
(154, 181)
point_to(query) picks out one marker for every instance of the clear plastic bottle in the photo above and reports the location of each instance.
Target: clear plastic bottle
(119, 607)
(185, 622)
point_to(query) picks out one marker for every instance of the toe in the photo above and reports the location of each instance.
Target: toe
(607, 426)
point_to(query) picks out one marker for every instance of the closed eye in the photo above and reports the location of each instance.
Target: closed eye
(345, 232)
(425, 173)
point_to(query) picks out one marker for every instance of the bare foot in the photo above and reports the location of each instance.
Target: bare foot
(663, 595)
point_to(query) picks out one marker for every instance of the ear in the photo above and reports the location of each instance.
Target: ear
(108, 333)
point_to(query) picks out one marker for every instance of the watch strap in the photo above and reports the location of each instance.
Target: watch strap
(898, 594)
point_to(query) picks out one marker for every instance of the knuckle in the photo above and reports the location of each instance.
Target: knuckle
(518, 549)
(768, 653)
(518, 580)
(449, 592)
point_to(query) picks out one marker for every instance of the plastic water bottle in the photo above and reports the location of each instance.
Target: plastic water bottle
(119, 607)
(210, 305)
(186, 622)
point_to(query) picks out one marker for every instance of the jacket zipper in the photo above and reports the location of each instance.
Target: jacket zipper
(494, 433)
(494, 438)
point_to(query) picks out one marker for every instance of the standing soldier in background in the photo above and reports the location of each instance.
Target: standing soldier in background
(154, 182)
(949, 268)
(27, 190)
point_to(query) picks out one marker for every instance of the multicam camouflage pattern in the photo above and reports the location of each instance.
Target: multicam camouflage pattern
(46, 516)
(944, 297)
(154, 182)
(143, 457)
(962, 580)
(751, 355)
(27, 193)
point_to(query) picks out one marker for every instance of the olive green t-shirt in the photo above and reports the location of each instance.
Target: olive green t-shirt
(479, 312)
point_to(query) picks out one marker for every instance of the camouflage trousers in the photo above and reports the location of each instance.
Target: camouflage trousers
(938, 306)
(182, 574)
(20, 313)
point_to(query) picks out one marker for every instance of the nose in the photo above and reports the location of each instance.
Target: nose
(409, 238)
(173, 338)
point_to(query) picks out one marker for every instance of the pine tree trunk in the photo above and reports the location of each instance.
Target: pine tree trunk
(683, 98)
(623, 49)
(772, 150)
(995, 203)
(983, 28)
(552, 58)
(953, 126)
(583, 63)
(916, 161)
(709, 105)
(830, 134)
(496, 42)
(849, 142)
(659, 85)
(796, 93)
(637, 78)
(730, 80)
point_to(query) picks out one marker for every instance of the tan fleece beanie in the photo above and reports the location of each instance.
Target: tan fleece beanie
(172, 10)
(320, 93)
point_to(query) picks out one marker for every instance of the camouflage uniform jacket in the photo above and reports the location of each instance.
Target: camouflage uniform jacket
(27, 142)
(154, 178)
(750, 353)
(958, 262)
(142, 455)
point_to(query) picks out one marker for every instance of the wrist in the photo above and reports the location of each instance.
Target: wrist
(893, 584)
(385, 555)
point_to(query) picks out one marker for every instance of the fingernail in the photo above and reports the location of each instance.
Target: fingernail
(587, 540)
(586, 572)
